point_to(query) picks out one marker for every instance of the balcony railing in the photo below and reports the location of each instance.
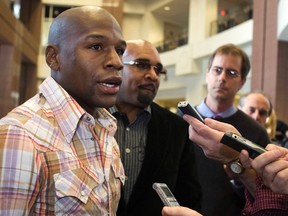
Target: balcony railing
(170, 44)
(221, 24)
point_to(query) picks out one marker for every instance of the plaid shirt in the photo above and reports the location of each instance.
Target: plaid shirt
(57, 159)
(266, 202)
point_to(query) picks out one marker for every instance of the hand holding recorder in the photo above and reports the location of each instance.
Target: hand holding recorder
(211, 137)
(165, 194)
(186, 108)
(273, 167)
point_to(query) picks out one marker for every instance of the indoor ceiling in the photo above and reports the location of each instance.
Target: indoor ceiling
(179, 9)
(178, 13)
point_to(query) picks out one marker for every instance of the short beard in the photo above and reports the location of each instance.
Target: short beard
(145, 99)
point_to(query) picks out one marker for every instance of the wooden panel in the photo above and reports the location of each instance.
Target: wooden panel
(116, 9)
(270, 49)
(8, 95)
(269, 56)
(18, 46)
(281, 101)
(258, 43)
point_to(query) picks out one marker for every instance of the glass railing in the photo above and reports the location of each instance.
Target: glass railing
(170, 44)
(230, 20)
(217, 26)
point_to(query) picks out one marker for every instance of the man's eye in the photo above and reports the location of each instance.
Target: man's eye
(252, 109)
(144, 65)
(263, 113)
(120, 51)
(232, 72)
(219, 70)
(97, 47)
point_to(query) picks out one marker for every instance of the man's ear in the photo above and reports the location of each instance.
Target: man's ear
(51, 54)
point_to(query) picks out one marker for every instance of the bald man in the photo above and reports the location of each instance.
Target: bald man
(153, 141)
(256, 105)
(58, 155)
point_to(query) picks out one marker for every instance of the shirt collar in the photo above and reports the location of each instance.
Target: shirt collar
(66, 111)
(114, 109)
(205, 111)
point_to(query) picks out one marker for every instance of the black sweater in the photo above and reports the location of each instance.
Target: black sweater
(219, 198)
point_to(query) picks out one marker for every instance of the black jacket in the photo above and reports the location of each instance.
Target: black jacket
(169, 158)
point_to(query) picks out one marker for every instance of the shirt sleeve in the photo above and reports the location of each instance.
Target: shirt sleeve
(18, 171)
(265, 202)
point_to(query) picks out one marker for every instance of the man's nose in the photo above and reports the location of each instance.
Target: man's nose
(254, 115)
(222, 75)
(114, 60)
(152, 74)
(257, 116)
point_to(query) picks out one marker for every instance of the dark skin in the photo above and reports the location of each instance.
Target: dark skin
(139, 87)
(84, 53)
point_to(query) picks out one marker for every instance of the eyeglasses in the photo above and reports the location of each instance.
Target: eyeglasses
(146, 66)
(216, 71)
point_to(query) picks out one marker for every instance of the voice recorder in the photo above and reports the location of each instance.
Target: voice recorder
(165, 194)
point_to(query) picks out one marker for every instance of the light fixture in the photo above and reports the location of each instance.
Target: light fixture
(167, 8)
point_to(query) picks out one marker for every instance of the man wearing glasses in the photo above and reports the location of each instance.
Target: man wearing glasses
(153, 141)
(227, 70)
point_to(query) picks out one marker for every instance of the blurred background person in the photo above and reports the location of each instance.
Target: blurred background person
(282, 133)
(257, 105)
(271, 126)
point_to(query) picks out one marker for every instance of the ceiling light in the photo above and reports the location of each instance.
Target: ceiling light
(167, 8)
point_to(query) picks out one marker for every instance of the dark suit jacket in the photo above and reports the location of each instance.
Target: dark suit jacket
(169, 158)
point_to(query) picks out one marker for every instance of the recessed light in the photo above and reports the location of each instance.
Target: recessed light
(167, 8)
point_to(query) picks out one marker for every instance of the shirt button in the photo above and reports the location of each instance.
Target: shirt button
(127, 129)
(127, 150)
(83, 193)
(88, 118)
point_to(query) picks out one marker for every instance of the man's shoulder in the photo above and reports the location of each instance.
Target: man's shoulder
(20, 114)
(249, 128)
(29, 116)
(158, 110)
(242, 118)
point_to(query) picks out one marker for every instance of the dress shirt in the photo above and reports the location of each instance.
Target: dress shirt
(57, 159)
(205, 111)
(131, 138)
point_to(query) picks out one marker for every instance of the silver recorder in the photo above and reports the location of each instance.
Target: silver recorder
(165, 194)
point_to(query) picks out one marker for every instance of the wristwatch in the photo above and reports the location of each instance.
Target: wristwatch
(236, 167)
